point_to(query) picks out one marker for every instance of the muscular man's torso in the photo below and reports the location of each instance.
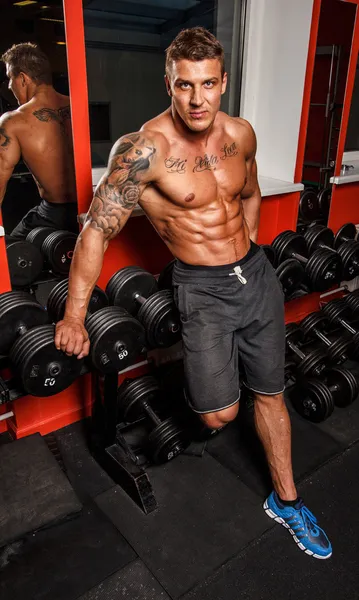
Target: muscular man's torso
(195, 201)
(43, 129)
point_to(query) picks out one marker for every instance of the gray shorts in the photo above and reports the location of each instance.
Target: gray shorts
(48, 214)
(229, 314)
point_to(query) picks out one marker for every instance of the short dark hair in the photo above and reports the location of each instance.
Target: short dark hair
(196, 43)
(29, 59)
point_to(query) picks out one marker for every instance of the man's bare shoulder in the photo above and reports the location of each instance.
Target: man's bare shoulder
(242, 131)
(11, 119)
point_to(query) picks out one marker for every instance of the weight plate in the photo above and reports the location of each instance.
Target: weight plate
(165, 278)
(345, 233)
(290, 274)
(289, 244)
(324, 269)
(116, 339)
(270, 253)
(38, 235)
(161, 320)
(349, 254)
(343, 385)
(313, 401)
(128, 283)
(312, 322)
(19, 312)
(44, 370)
(56, 301)
(336, 309)
(317, 237)
(132, 392)
(58, 249)
(352, 301)
(313, 364)
(166, 441)
(309, 205)
(339, 350)
(24, 260)
(324, 199)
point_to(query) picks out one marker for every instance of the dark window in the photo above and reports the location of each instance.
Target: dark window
(100, 130)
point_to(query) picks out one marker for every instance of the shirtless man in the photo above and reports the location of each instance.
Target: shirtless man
(39, 131)
(193, 171)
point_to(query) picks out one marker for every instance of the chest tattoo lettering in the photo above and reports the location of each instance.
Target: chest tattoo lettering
(229, 150)
(175, 165)
(205, 163)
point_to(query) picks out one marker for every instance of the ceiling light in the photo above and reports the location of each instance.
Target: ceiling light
(25, 2)
(61, 43)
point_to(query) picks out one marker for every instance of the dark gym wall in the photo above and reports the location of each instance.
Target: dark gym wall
(336, 26)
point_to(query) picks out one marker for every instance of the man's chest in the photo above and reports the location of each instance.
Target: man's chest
(200, 177)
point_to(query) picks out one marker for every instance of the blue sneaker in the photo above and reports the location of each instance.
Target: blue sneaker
(302, 525)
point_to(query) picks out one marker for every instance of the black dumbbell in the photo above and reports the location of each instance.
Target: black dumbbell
(135, 397)
(116, 339)
(323, 268)
(348, 249)
(57, 247)
(339, 313)
(309, 209)
(298, 293)
(315, 400)
(352, 300)
(291, 275)
(25, 261)
(136, 290)
(56, 301)
(315, 327)
(28, 339)
(308, 364)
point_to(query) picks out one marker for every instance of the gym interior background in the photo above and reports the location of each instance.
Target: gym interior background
(293, 73)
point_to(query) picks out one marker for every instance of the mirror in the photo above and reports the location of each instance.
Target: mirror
(125, 44)
(37, 166)
(326, 106)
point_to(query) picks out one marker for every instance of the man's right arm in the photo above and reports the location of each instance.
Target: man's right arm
(9, 152)
(130, 169)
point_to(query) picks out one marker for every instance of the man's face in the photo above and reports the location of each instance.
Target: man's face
(196, 88)
(16, 86)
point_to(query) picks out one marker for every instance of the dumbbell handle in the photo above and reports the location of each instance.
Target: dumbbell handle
(299, 257)
(324, 247)
(346, 325)
(322, 337)
(150, 413)
(295, 349)
(140, 298)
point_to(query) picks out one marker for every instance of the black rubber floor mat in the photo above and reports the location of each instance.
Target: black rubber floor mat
(273, 567)
(134, 582)
(85, 474)
(205, 515)
(64, 562)
(34, 491)
(239, 449)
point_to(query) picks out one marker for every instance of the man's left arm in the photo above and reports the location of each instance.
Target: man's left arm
(251, 194)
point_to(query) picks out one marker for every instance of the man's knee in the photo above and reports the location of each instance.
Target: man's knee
(218, 419)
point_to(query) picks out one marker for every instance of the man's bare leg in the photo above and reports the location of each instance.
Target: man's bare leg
(274, 431)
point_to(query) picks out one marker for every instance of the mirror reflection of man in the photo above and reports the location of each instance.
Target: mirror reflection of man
(40, 132)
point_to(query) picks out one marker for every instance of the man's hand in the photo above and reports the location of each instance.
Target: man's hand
(71, 337)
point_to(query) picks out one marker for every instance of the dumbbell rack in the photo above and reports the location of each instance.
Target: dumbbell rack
(111, 449)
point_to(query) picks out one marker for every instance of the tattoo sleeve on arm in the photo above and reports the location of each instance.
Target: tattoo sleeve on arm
(119, 190)
(5, 139)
